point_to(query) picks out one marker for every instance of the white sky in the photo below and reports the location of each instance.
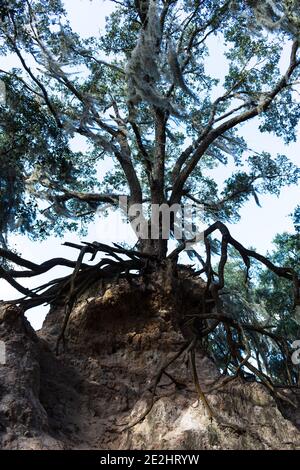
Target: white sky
(257, 227)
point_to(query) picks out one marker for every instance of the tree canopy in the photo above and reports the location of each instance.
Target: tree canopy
(141, 97)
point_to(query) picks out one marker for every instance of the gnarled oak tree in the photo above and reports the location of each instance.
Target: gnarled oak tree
(140, 96)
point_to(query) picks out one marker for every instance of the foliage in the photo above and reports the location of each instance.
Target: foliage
(118, 90)
(265, 299)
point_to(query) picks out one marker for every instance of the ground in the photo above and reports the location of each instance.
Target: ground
(88, 396)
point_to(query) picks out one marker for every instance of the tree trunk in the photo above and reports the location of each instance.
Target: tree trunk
(157, 248)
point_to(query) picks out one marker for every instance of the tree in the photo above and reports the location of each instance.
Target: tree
(131, 107)
(296, 218)
(278, 295)
(140, 96)
(265, 299)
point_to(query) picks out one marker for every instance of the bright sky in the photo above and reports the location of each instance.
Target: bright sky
(257, 227)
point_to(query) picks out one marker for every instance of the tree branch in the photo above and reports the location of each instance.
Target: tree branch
(208, 137)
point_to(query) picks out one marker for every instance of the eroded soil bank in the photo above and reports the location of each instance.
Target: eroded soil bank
(117, 339)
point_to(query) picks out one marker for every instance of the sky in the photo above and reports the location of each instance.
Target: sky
(257, 226)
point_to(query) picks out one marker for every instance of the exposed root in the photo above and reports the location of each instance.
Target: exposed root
(200, 393)
(185, 349)
(239, 338)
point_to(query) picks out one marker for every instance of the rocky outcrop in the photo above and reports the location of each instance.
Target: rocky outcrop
(86, 397)
(23, 418)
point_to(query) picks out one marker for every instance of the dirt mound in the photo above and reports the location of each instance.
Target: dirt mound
(117, 339)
